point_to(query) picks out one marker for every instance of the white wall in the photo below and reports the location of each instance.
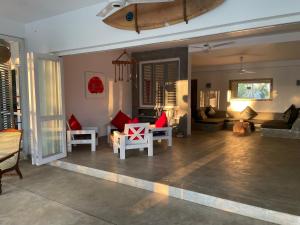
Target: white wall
(11, 28)
(94, 112)
(284, 74)
(82, 31)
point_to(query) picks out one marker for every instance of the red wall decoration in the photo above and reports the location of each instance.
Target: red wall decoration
(95, 85)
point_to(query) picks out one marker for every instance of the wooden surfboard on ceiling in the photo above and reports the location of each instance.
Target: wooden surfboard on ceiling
(155, 15)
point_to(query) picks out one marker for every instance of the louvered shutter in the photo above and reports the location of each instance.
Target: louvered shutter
(159, 79)
(147, 85)
(170, 83)
(159, 83)
(6, 98)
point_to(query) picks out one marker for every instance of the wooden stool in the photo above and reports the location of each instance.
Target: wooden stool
(241, 128)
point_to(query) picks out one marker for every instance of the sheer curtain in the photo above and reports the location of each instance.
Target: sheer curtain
(50, 107)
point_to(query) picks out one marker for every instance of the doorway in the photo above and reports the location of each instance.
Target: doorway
(194, 97)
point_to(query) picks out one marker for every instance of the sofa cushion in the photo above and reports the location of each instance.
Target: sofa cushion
(296, 125)
(293, 115)
(248, 113)
(209, 111)
(134, 120)
(287, 113)
(74, 123)
(276, 124)
(120, 120)
(162, 121)
(201, 115)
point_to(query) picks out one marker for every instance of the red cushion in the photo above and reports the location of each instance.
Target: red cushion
(10, 130)
(162, 121)
(120, 120)
(74, 124)
(134, 120)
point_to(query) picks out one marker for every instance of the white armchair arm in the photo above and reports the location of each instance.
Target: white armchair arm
(96, 129)
(93, 140)
(72, 132)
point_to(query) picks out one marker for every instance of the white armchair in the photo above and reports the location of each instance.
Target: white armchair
(88, 135)
(135, 136)
(162, 133)
(159, 133)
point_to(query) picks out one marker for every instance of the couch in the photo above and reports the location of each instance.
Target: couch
(225, 120)
(287, 127)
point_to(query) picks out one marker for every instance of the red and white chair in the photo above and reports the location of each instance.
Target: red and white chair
(135, 136)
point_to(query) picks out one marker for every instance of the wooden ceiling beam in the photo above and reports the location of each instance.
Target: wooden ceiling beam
(136, 18)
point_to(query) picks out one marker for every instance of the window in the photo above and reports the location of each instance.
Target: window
(255, 89)
(210, 98)
(158, 83)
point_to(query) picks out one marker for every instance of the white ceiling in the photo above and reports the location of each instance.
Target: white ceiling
(25, 11)
(254, 53)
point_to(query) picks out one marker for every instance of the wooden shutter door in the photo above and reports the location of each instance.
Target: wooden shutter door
(172, 75)
(147, 83)
(6, 98)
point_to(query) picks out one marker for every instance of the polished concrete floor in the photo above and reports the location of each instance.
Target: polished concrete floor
(255, 170)
(49, 195)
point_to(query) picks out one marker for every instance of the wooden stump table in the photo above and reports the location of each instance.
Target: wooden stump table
(241, 128)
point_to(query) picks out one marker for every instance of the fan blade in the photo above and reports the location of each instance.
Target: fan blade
(235, 55)
(198, 47)
(147, 1)
(223, 44)
(249, 72)
(104, 12)
(243, 71)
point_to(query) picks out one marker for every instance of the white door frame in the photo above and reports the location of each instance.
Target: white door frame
(36, 147)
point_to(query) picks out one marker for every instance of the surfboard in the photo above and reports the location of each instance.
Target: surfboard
(144, 16)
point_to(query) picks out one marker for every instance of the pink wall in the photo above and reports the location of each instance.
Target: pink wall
(94, 112)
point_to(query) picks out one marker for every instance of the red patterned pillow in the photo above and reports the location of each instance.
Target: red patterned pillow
(74, 124)
(162, 121)
(134, 120)
(120, 120)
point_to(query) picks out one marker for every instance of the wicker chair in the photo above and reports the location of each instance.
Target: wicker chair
(9, 152)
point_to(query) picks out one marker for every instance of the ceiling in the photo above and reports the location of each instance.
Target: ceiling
(26, 11)
(255, 53)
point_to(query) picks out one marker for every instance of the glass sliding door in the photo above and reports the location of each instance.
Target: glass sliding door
(47, 109)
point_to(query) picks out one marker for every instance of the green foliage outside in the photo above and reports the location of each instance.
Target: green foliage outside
(254, 90)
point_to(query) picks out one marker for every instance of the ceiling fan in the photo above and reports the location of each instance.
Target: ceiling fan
(208, 47)
(242, 68)
(118, 4)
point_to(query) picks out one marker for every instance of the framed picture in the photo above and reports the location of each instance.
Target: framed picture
(95, 85)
